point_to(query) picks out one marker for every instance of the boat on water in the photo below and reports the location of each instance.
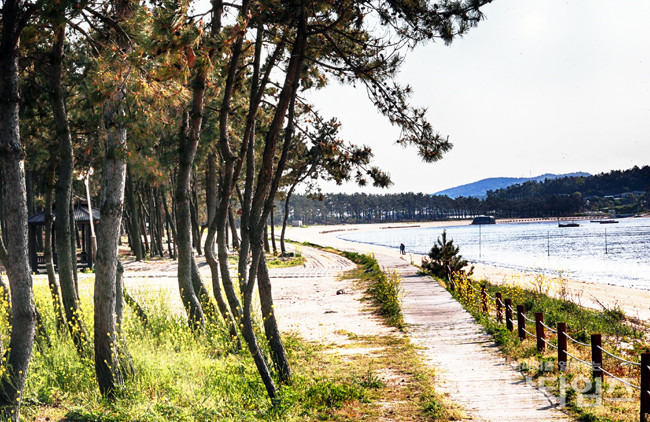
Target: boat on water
(608, 221)
(568, 225)
(484, 219)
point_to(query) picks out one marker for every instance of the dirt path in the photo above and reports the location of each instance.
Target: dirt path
(469, 367)
(316, 303)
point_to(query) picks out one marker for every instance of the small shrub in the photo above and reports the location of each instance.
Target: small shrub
(445, 260)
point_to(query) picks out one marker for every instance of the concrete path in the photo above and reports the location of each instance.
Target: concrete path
(468, 364)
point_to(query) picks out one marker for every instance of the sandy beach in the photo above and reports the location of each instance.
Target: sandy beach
(634, 302)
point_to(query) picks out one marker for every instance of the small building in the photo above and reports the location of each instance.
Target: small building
(484, 219)
(82, 237)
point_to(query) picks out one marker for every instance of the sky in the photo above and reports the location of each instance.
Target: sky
(538, 87)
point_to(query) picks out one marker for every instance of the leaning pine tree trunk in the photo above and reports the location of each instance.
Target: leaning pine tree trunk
(285, 219)
(209, 248)
(267, 188)
(233, 228)
(271, 330)
(14, 211)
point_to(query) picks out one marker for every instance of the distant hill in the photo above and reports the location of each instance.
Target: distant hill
(479, 189)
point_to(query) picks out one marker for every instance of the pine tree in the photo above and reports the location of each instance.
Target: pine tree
(444, 259)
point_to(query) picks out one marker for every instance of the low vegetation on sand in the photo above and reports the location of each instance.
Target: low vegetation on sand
(383, 288)
(183, 377)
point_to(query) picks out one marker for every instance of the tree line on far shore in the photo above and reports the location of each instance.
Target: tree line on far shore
(617, 192)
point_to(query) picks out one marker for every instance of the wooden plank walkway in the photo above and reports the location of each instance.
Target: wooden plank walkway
(468, 364)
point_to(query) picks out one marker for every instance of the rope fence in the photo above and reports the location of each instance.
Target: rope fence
(549, 328)
(621, 380)
(549, 344)
(502, 306)
(529, 333)
(576, 341)
(619, 358)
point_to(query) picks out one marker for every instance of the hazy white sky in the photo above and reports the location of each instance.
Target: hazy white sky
(539, 86)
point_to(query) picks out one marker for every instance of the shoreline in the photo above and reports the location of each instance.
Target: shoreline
(633, 301)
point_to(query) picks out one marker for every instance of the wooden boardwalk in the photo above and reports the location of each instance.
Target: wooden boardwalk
(468, 365)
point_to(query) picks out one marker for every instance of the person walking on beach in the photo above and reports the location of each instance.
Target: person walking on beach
(402, 249)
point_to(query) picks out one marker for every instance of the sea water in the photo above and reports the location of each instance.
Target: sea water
(617, 254)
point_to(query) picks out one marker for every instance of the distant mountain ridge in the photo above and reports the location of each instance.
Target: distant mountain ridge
(479, 189)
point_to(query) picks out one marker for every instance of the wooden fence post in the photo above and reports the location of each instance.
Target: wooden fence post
(521, 322)
(508, 303)
(597, 356)
(484, 305)
(561, 347)
(645, 386)
(499, 308)
(539, 331)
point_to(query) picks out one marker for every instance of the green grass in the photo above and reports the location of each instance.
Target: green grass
(285, 262)
(181, 377)
(384, 288)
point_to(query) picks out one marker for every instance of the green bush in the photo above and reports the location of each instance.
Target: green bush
(444, 259)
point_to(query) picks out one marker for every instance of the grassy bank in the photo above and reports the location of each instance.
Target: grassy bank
(383, 288)
(181, 377)
(613, 401)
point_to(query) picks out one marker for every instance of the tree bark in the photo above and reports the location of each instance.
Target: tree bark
(278, 354)
(133, 220)
(285, 219)
(188, 143)
(108, 368)
(267, 249)
(210, 255)
(157, 213)
(269, 180)
(14, 207)
(64, 224)
(248, 331)
(52, 282)
(194, 215)
(171, 235)
(233, 228)
(143, 229)
(126, 361)
(272, 224)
